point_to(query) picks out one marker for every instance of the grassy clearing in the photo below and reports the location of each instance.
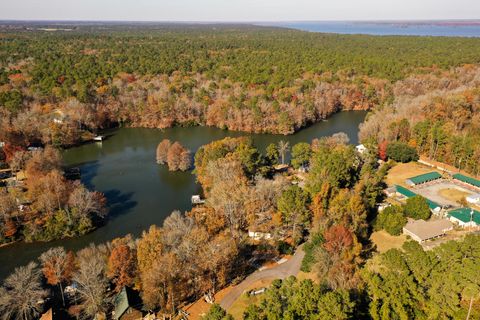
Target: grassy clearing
(402, 171)
(385, 241)
(453, 194)
(239, 306)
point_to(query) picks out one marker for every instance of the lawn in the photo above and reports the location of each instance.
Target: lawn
(239, 306)
(402, 171)
(385, 241)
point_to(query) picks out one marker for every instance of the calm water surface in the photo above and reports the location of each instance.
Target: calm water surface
(384, 28)
(140, 192)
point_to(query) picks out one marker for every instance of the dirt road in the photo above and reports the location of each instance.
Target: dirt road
(282, 271)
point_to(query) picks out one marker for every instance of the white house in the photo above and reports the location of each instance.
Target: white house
(259, 235)
(473, 198)
(465, 217)
(361, 148)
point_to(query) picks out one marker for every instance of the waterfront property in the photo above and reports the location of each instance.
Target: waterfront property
(421, 230)
(423, 178)
(465, 217)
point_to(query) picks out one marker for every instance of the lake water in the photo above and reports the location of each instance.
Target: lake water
(140, 192)
(449, 29)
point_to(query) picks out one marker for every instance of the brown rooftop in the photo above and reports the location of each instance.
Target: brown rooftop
(422, 230)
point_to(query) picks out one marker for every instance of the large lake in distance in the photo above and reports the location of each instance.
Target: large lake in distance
(141, 193)
(420, 28)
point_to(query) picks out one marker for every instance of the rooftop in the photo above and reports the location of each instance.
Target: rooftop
(426, 177)
(408, 193)
(465, 215)
(469, 180)
(125, 299)
(425, 230)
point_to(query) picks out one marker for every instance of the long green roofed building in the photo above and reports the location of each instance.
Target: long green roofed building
(408, 193)
(469, 180)
(423, 178)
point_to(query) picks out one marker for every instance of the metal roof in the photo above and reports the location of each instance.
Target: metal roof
(425, 230)
(426, 177)
(469, 180)
(465, 215)
(408, 193)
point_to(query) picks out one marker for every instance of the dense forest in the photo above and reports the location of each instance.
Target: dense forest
(238, 77)
(438, 114)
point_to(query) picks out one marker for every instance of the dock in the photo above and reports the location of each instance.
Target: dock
(196, 199)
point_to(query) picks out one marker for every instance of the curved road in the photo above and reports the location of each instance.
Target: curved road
(282, 271)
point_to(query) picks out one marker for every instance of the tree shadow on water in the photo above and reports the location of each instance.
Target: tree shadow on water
(88, 171)
(119, 203)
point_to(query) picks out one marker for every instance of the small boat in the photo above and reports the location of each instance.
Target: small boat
(99, 138)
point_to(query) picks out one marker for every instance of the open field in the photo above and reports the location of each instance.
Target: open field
(385, 241)
(402, 171)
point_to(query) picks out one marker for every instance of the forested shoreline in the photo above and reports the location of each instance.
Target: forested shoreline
(59, 88)
(238, 77)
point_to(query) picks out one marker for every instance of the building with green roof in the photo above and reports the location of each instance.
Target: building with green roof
(465, 217)
(408, 194)
(423, 178)
(468, 180)
(127, 305)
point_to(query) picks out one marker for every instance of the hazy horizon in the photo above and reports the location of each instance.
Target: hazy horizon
(246, 11)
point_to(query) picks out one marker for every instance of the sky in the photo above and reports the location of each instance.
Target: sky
(238, 10)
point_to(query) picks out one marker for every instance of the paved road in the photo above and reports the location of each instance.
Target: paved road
(282, 271)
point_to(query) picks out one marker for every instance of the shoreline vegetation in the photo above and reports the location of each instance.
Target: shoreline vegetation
(40, 202)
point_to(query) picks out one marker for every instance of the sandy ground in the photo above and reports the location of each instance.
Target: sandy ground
(200, 307)
(442, 192)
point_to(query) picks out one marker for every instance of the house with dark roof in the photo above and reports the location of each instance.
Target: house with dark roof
(127, 305)
(54, 314)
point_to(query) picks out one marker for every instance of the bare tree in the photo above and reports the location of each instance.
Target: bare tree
(19, 161)
(229, 192)
(87, 202)
(22, 293)
(92, 280)
(57, 267)
(162, 151)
